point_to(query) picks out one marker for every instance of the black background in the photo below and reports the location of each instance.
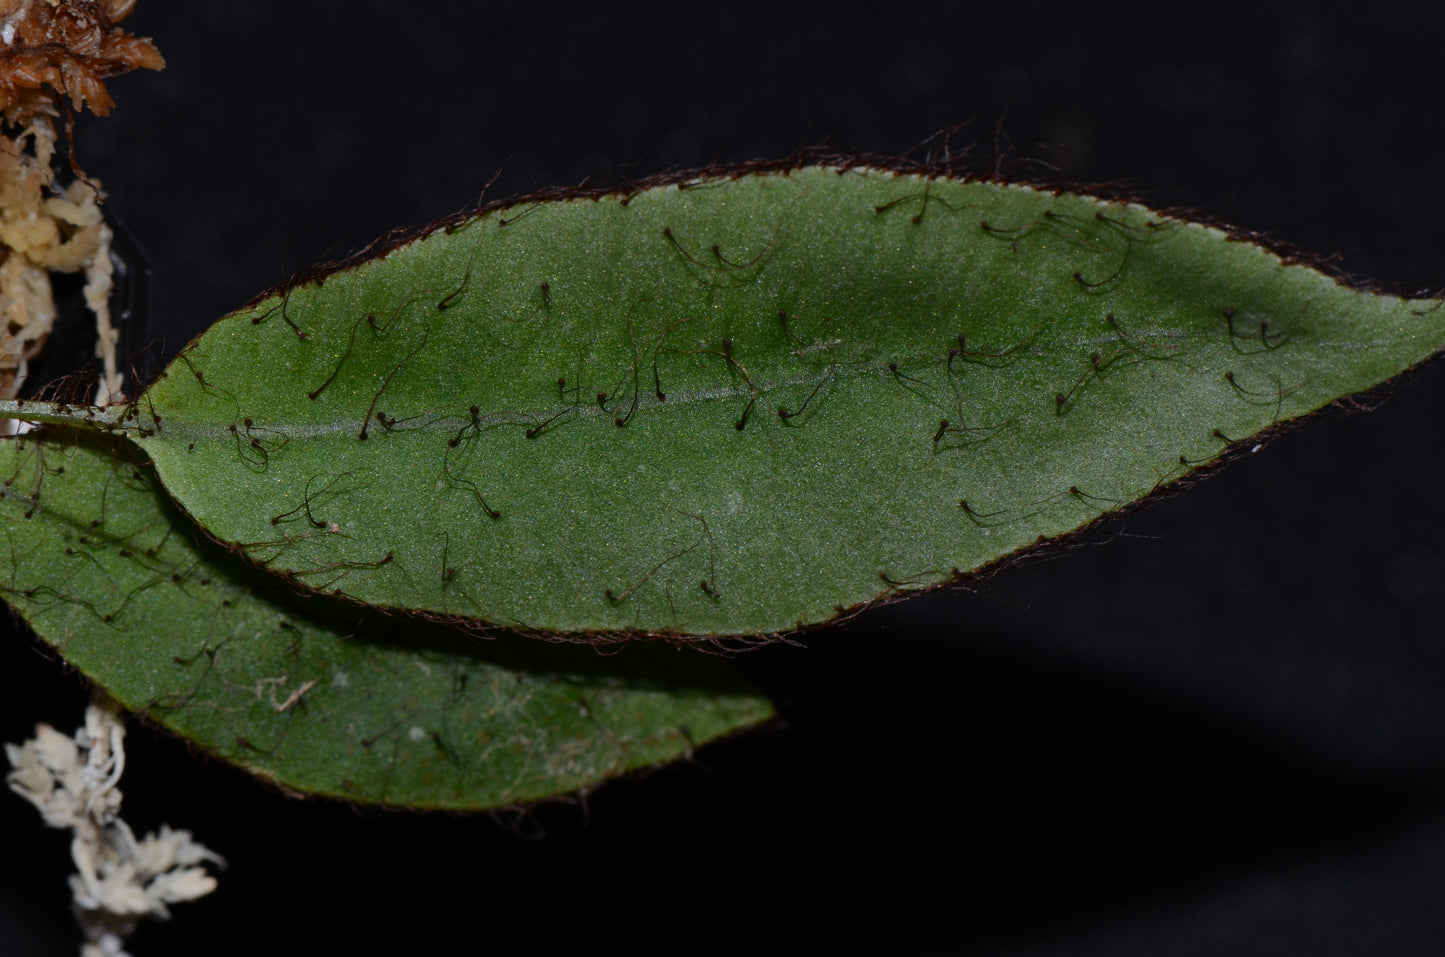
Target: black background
(1221, 731)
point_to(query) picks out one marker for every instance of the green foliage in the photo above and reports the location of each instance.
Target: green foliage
(727, 406)
(737, 405)
(320, 697)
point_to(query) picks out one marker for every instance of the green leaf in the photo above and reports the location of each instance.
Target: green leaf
(740, 404)
(316, 696)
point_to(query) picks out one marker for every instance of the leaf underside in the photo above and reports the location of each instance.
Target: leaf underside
(319, 697)
(738, 405)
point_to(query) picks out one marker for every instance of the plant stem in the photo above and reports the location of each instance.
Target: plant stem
(108, 418)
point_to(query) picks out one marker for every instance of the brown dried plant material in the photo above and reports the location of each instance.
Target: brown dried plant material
(51, 50)
(73, 47)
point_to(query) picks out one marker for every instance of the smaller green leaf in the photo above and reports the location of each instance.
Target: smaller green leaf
(321, 697)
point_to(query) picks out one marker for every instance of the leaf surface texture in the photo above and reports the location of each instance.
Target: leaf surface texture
(317, 696)
(741, 404)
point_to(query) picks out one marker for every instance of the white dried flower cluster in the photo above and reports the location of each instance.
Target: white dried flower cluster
(119, 879)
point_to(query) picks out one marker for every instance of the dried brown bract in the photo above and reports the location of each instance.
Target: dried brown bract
(55, 56)
(73, 47)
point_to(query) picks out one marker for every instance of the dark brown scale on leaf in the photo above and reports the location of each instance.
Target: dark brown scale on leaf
(667, 233)
(622, 420)
(542, 426)
(656, 354)
(452, 298)
(742, 423)
(455, 296)
(946, 428)
(726, 352)
(923, 199)
(503, 221)
(387, 559)
(1093, 370)
(976, 515)
(370, 319)
(1091, 285)
(1268, 341)
(893, 368)
(307, 497)
(200, 376)
(547, 423)
(285, 310)
(1249, 395)
(1229, 377)
(426, 336)
(785, 415)
(709, 586)
(783, 318)
(1098, 364)
(475, 427)
(1085, 496)
(723, 263)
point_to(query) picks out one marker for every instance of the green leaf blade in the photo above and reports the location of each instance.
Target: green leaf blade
(320, 699)
(747, 435)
